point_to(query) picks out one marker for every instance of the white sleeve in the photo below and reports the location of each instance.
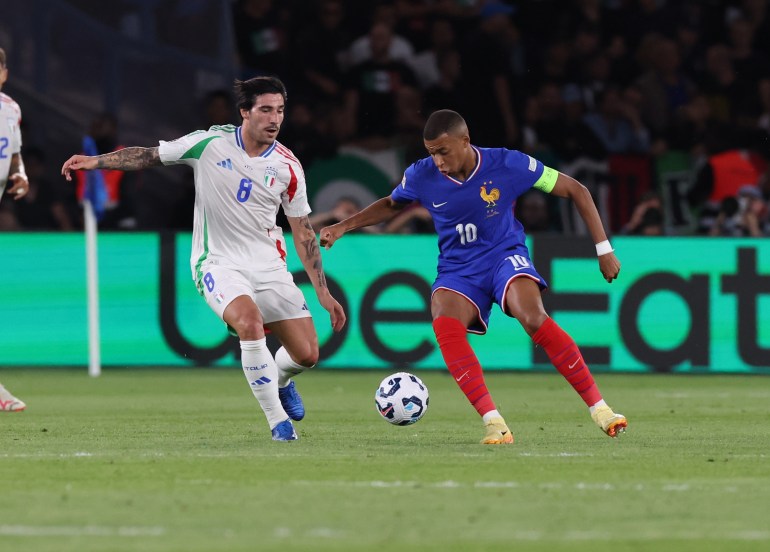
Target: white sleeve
(178, 151)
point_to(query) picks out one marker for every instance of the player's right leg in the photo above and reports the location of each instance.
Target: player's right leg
(228, 293)
(9, 403)
(453, 313)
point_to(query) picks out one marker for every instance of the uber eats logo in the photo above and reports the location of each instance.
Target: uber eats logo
(706, 297)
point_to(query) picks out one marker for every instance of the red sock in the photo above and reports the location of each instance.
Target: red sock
(462, 362)
(566, 357)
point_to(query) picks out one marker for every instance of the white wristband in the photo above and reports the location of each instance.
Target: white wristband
(602, 248)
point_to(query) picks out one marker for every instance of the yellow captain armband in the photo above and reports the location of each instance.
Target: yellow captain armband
(547, 180)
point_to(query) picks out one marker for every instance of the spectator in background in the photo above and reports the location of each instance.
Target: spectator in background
(692, 125)
(726, 172)
(368, 46)
(647, 217)
(445, 93)
(261, 37)
(554, 128)
(343, 208)
(218, 108)
(413, 219)
(322, 52)
(617, 124)
(734, 98)
(757, 13)
(533, 212)
(426, 64)
(486, 83)
(663, 88)
(47, 206)
(11, 171)
(374, 86)
(121, 186)
(307, 132)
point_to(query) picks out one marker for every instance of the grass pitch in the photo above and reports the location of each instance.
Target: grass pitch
(181, 459)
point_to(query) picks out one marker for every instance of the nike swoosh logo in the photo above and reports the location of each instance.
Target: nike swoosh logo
(439, 204)
(461, 377)
(571, 366)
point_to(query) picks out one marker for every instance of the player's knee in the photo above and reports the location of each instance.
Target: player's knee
(532, 321)
(310, 359)
(249, 327)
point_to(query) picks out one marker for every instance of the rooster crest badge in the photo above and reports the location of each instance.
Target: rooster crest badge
(490, 197)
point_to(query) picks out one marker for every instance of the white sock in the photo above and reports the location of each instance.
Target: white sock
(262, 374)
(287, 367)
(489, 415)
(597, 405)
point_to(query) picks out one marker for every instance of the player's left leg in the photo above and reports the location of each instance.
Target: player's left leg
(286, 315)
(524, 302)
(298, 352)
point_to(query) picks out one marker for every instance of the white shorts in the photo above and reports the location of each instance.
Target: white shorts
(274, 292)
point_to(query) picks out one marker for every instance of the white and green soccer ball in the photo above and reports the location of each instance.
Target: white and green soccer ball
(401, 398)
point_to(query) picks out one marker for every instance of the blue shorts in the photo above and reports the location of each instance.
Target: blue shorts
(484, 282)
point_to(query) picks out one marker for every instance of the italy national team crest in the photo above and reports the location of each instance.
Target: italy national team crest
(270, 175)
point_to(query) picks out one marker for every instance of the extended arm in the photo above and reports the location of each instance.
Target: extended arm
(568, 187)
(381, 210)
(310, 254)
(17, 176)
(127, 159)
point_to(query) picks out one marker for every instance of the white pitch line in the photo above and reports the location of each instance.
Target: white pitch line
(79, 531)
(545, 485)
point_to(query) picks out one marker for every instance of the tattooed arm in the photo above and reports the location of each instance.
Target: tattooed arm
(309, 253)
(127, 159)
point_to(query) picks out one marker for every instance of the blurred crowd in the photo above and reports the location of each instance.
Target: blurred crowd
(621, 94)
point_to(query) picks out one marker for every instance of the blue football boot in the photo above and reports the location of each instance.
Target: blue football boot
(284, 432)
(291, 402)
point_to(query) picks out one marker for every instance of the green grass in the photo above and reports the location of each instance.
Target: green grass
(181, 459)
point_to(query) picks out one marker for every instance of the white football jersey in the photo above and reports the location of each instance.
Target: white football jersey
(237, 198)
(10, 136)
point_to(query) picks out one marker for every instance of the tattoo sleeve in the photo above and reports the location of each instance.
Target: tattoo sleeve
(310, 252)
(129, 159)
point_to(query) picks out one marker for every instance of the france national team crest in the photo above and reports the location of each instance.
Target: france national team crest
(490, 197)
(270, 175)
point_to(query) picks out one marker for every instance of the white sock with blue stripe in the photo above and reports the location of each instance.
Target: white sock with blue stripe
(287, 368)
(262, 374)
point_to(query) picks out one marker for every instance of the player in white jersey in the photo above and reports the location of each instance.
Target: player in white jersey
(242, 176)
(11, 170)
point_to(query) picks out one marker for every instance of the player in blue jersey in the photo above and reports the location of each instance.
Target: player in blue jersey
(483, 259)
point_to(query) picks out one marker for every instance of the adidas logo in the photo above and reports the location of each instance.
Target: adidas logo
(261, 381)
(226, 164)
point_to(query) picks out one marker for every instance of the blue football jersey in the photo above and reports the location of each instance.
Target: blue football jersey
(474, 218)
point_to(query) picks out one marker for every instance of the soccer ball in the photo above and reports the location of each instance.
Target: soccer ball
(401, 398)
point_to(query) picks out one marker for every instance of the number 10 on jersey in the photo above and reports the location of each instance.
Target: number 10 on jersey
(468, 232)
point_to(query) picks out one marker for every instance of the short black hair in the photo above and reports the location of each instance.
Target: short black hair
(444, 121)
(246, 92)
